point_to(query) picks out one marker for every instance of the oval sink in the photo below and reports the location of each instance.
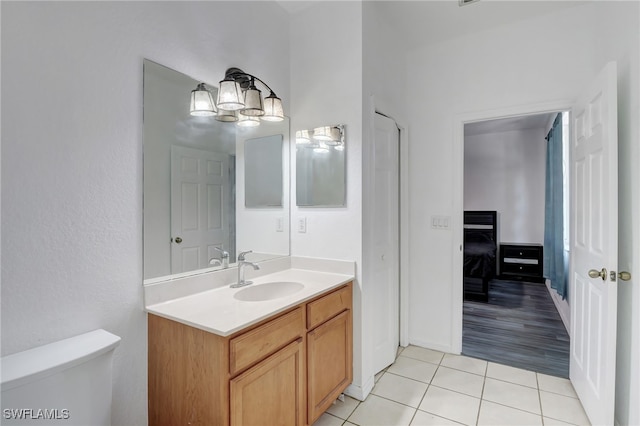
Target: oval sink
(268, 291)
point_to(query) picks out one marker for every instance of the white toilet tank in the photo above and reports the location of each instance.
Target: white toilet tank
(62, 383)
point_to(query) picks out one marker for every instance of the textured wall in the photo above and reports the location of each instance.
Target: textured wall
(72, 158)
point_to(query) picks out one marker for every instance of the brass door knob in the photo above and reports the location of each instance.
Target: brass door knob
(624, 275)
(601, 273)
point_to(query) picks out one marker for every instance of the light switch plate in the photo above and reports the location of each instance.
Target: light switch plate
(279, 224)
(440, 222)
(302, 225)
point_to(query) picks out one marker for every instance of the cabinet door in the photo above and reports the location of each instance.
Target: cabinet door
(330, 363)
(272, 391)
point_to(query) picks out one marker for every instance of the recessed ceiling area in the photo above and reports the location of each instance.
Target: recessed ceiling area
(524, 122)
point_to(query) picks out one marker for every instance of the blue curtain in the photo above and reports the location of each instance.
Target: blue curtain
(554, 265)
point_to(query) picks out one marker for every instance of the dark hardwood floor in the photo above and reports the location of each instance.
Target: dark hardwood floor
(519, 326)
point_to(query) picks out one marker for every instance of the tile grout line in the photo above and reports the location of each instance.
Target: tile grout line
(540, 399)
(425, 395)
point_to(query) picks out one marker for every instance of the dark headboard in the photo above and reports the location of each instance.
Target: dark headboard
(484, 222)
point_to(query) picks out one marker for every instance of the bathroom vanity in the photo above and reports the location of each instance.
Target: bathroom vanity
(220, 358)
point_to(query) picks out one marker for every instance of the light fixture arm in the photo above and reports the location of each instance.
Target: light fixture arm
(244, 79)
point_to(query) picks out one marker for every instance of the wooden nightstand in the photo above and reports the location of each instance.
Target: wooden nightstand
(521, 262)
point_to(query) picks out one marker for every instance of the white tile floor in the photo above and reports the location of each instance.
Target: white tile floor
(425, 387)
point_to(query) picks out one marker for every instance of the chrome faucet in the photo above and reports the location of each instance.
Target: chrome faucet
(241, 264)
(224, 257)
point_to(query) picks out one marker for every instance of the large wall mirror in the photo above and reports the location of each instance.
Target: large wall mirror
(320, 167)
(199, 178)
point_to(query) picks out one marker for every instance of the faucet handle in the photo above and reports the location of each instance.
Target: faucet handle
(223, 253)
(242, 254)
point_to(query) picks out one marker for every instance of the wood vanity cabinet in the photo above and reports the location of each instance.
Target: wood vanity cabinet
(329, 350)
(285, 370)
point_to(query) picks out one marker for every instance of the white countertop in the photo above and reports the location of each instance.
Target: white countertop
(217, 311)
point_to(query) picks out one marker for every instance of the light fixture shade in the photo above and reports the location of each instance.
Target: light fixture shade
(273, 110)
(322, 133)
(331, 135)
(202, 102)
(302, 137)
(230, 95)
(322, 148)
(252, 101)
(248, 121)
(339, 147)
(228, 116)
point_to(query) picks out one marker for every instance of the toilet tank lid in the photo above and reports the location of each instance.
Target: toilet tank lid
(34, 364)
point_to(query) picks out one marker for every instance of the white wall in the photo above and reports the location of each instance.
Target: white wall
(509, 68)
(505, 171)
(72, 163)
(543, 59)
(326, 74)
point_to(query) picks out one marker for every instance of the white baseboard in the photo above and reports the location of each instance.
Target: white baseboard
(561, 305)
(431, 345)
(360, 392)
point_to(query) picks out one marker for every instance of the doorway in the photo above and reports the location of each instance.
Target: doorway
(513, 320)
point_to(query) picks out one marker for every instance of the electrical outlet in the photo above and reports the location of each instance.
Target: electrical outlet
(279, 224)
(302, 225)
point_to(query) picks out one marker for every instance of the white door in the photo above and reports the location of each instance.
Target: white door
(199, 201)
(594, 245)
(385, 284)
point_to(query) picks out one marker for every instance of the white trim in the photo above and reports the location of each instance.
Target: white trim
(404, 235)
(358, 392)
(434, 346)
(457, 216)
(562, 306)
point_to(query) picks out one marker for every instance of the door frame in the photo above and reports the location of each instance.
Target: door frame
(457, 169)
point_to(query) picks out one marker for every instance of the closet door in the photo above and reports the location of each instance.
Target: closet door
(385, 279)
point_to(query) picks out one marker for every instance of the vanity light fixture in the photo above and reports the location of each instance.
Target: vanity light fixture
(321, 148)
(330, 135)
(202, 102)
(302, 137)
(227, 116)
(248, 121)
(238, 92)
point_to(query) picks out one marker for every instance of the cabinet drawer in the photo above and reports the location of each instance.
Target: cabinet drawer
(328, 306)
(252, 346)
(519, 268)
(520, 252)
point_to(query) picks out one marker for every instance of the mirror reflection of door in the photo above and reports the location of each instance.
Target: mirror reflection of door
(199, 188)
